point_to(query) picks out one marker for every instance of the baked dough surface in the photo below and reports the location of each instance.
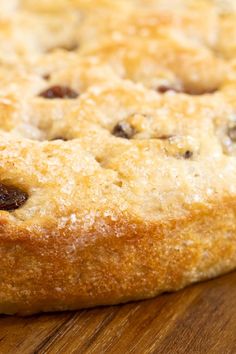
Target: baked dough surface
(117, 149)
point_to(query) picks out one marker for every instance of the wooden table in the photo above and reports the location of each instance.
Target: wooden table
(199, 319)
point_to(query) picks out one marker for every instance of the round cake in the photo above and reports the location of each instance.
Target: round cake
(117, 149)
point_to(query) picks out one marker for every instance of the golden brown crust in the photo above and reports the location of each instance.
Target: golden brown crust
(131, 180)
(56, 270)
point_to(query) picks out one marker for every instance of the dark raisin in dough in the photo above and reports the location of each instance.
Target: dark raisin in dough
(188, 154)
(11, 198)
(165, 137)
(70, 47)
(59, 92)
(165, 88)
(59, 138)
(232, 133)
(46, 77)
(123, 130)
(200, 92)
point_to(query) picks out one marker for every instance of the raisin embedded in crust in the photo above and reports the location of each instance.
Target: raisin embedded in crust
(59, 138)
(70, 47)
(123, 130)
(165, 88)
(59, 92)
(11, 198)
(46, 77)
(200, 92)
(165, 137)
(232, 133)
(188, 154)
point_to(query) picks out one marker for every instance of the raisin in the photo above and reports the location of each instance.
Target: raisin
(165, 137)
(59, 92)
(70, 47)
(59, 138)
(192, 92)
(232, 133)
(46, 77)
(165, 88)
(199, 92)
(11, 198)
(123, 130)
(188, 154)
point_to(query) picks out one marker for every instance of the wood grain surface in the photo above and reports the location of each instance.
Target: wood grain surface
(199, 319)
